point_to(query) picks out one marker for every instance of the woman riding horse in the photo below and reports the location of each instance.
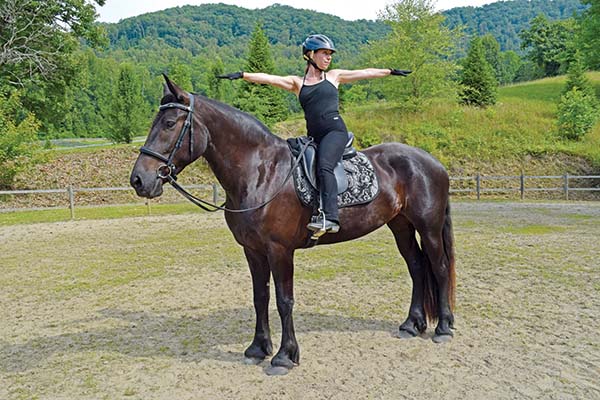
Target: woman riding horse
(267, 218)
(317, 92)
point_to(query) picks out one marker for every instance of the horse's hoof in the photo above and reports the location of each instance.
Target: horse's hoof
(252, 360)
(402, 334)
(277, 371)
(442, 338)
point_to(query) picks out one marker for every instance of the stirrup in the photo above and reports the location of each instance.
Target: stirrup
(319, 231)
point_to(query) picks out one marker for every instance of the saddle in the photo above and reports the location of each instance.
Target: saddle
(355, 176)
(309, 161)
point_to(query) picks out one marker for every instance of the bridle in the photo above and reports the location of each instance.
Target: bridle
(168, 170)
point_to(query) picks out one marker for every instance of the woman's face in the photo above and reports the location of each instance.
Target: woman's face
(322, 58)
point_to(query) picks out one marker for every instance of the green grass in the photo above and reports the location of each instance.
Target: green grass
(86, 144)
(85, 213)
(545, 90)
(533, 229)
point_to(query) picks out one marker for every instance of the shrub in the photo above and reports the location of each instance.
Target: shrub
(18, 139)
(577, 114)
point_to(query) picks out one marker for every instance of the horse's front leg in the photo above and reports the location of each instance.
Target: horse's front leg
(281, 261)
(261, 346)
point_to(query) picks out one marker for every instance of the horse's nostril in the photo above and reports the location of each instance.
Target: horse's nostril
(136, 181)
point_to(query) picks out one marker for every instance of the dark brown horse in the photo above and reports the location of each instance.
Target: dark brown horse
(251, 165)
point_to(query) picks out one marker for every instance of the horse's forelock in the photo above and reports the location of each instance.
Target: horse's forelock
(169, 98)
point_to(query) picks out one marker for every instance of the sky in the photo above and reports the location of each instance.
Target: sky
(115, 10)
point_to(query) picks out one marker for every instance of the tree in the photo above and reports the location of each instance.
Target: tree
(126, 117)
(589, 34)
(576, 78)
(18, 144)
(510, 63)
(491, 51)
(549, 44)
(37, 36)
(215, 88)
(263, 101)
(478, 82)
(418, 41)
(181, 74)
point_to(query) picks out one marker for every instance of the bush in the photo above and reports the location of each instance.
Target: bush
(18, 139)
(577, 114)
(367, 139)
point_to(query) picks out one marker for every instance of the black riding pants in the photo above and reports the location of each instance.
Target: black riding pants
(330, 150)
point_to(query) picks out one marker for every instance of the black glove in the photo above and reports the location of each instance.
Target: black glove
(401, 72)
(232, 76)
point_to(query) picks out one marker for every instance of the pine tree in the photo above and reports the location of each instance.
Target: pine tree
(576, 78)
(126, 120)
(265, 102)
(478, 81)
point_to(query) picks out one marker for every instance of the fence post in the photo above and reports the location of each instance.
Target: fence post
(566, 186)
(478, 185)
(215, 193)
(522, 186)
(71, 201)
(148, 206)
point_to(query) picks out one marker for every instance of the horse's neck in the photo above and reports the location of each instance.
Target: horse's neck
(237, 148)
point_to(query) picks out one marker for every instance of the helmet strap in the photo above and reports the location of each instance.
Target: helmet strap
(314, 64)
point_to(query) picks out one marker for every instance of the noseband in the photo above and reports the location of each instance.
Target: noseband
(168, 170)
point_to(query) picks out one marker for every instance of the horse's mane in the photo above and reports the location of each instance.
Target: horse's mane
(249, 123)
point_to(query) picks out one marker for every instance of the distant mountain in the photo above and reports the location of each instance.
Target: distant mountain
(216, 26)
(505, 19)
(196, 28)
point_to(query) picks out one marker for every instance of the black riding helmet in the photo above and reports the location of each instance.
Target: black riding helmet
(314, 43)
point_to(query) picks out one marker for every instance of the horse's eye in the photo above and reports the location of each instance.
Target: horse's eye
(170, 123)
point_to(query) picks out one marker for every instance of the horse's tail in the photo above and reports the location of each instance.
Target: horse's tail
(448, 237)
(431, 287)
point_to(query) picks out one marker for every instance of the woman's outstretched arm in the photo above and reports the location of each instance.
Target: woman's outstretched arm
(346, 76)
(290, 83)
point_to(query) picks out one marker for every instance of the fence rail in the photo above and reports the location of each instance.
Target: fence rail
(477, 185)
(565, 186)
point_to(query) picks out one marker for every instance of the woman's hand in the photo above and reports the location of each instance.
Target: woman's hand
(232, 76)
(399, 72)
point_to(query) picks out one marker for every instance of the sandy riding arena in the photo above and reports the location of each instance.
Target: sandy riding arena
(161, 308)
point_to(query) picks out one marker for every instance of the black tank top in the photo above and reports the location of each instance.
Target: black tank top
(320, 103)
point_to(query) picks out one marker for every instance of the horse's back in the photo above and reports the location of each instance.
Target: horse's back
(409, 162)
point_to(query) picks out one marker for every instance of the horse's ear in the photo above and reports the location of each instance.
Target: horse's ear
(171, 88)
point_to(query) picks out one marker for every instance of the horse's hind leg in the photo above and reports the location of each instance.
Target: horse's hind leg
(443, 271)
(261, 346)
(404, 233)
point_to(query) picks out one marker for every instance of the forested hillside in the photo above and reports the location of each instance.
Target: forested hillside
(200, 29)
(207, 28)
(506, 19)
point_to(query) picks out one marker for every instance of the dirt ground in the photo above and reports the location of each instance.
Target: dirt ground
(160, 308)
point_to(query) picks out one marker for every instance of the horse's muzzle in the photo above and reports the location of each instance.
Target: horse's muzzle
(146, 185)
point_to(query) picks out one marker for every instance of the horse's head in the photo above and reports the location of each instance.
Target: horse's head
(176, 139)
